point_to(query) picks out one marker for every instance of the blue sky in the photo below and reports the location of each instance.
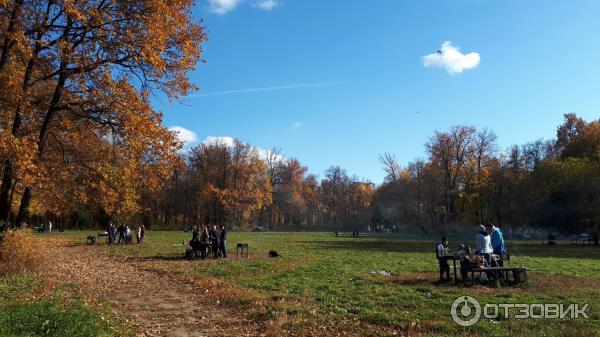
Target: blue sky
(338, 82)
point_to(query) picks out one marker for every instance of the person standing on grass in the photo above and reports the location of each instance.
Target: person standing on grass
(138, 235)
(497, 240)
(121, 232)
(223, 242)
(49, 226)
(111, 233)
(204, 242)
(483, 245)
(127, 235)
(142, 233)
(442, 253)
(214, 241)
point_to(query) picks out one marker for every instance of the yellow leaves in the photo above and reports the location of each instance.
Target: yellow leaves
(76, 9)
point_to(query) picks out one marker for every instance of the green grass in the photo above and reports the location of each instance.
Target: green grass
(22, 314)
(14, 287)
(322, 278)
(49, 318)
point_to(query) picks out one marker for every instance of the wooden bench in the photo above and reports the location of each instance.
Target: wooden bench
(499, 259)
(519, 274)
(101, 235)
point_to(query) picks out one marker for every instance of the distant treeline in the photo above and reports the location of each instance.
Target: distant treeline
(465, 180)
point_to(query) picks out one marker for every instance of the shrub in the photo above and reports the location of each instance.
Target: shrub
(19, 252)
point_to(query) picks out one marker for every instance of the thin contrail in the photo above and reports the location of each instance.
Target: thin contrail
(273, 88)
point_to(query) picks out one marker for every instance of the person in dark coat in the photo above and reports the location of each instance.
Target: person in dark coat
(195, 242)
(214, 241)
(121, 231)
(223, 242)
(112, 232)
(204, 243)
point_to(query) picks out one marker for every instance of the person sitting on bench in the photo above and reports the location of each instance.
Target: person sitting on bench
(442, 256)
(467, 261)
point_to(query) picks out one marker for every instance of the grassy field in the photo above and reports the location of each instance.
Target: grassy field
(321, 279)
(24, 312)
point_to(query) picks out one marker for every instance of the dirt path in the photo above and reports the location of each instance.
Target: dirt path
(160, 303)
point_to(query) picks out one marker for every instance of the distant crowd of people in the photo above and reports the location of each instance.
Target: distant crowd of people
(122, 234)
(490, 251)
(209, 240)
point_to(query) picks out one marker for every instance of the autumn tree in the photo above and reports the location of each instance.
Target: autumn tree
(91, 65)
(390, 166)
(450, 151)
(231, 183)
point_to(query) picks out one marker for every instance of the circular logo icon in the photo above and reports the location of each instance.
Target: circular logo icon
(466, 311)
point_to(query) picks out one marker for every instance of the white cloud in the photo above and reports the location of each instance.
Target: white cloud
(264, 154)
(230, 142)
(297, 125)
(266, 4)
(225, 140)
(223, 6)
(184, 135)
(450, 58)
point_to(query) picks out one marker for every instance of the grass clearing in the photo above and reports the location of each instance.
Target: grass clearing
(26, 310)
(324, 280)
(48, 317)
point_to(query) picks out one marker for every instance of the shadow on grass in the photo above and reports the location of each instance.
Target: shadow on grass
(178, 257)
(379, 245)
(521, 248)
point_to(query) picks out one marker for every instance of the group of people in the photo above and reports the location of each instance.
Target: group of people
(122, 234)
(43, 228)
(490, 251)
(209, 240)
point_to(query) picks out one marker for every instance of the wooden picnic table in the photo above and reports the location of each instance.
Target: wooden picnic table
(519, 273)
(455, 258)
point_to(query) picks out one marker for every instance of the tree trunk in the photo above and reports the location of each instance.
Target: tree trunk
(24, 208)
(62, 78)
(8, 177)
(7, 182)
(7, 44)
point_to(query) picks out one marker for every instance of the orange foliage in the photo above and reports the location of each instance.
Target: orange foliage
(76, 123)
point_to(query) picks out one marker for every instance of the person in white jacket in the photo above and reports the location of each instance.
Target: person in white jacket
(483, 245)
(127, 235)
